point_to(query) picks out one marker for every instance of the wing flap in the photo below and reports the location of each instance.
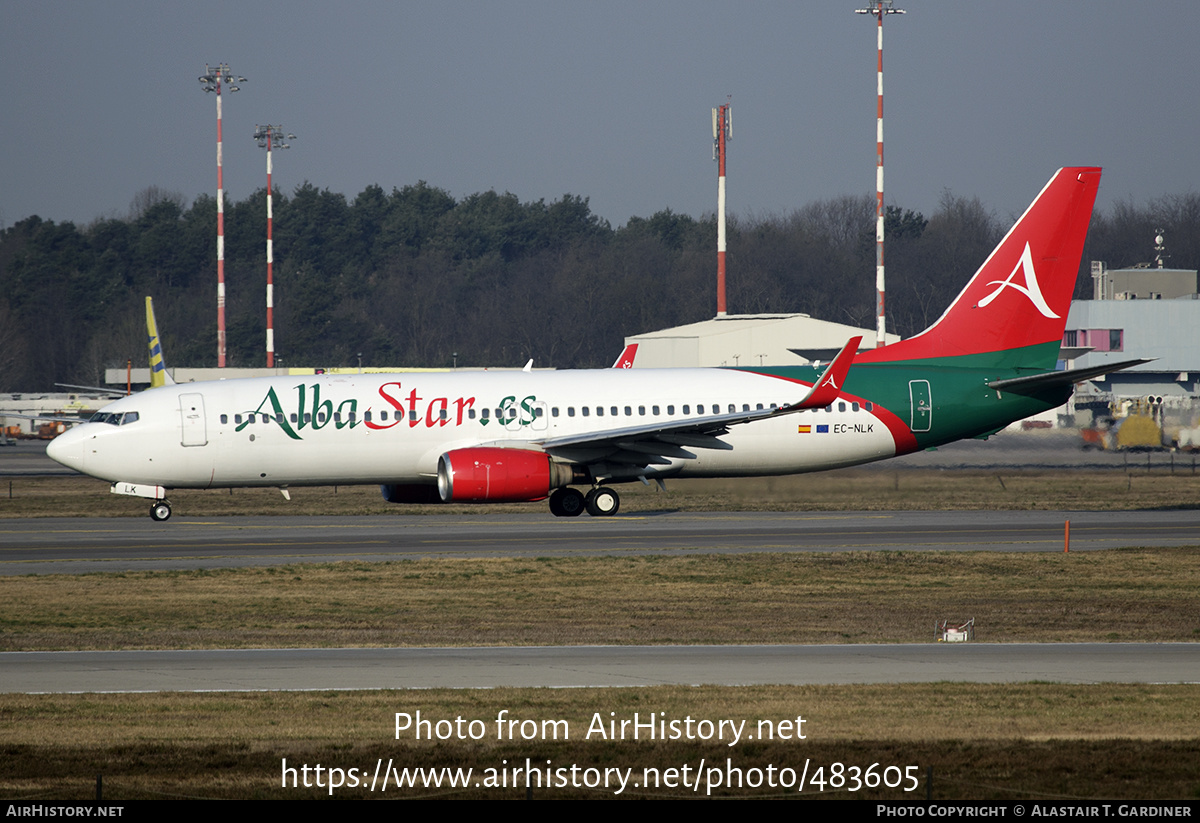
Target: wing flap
(656, 447)
(699, 441)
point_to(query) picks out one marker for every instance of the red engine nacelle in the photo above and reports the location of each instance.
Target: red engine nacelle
(490, 475)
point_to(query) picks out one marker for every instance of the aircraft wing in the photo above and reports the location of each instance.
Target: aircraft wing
(53, 418)
(653, 443)
(100, 390)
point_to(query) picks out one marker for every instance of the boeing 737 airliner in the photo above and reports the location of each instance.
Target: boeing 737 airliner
(521, 436)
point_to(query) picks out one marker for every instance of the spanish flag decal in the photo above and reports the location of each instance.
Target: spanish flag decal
(804, 429)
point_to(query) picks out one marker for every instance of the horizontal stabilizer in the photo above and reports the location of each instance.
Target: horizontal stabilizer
(1020, 385)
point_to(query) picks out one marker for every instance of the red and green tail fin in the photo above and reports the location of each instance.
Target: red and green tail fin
(1014, 310)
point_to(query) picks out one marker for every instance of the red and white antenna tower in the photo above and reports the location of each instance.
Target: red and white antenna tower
(268, 137)
(722, 124)
(879, 8)
(211, 80)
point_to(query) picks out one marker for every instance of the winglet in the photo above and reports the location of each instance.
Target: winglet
(625, 361)
(829, 384)
(158, 367)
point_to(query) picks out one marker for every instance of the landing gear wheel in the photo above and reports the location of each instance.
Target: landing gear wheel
(602, 502)
(160, 511)
(566, 503)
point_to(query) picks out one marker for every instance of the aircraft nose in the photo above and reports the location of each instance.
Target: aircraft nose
(67, 449)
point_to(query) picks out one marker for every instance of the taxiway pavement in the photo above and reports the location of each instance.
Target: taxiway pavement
(601, 666)
(76, 545)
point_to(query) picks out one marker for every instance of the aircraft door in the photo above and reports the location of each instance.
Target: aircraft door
(921, 398)
(540, 413)
(191, 415)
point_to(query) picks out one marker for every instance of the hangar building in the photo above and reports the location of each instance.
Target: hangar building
(747, 340)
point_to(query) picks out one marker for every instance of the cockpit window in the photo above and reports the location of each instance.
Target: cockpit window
(114, 418)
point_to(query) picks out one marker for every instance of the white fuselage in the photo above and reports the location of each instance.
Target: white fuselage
(392, 428)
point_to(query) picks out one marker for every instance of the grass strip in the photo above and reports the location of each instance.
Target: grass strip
(1144, 595)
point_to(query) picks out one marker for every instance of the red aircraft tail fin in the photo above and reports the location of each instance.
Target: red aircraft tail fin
(625, 360)
(1019, 298)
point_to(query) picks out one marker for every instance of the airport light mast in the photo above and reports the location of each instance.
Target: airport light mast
(879, 8)
(212, 80)
(268, 137)
(722, 124)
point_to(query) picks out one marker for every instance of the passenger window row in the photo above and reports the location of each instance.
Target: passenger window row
(510, 413)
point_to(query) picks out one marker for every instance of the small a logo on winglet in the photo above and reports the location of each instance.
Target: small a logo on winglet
(1031, 289)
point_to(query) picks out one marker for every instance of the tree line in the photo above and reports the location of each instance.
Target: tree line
(416, 277)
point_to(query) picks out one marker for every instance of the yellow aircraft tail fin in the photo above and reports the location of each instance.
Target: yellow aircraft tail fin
(158, 368)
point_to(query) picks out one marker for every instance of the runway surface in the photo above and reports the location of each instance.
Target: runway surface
(564, 667)
(75, 545)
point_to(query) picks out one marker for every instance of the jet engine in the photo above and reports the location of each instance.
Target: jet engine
(491, 475)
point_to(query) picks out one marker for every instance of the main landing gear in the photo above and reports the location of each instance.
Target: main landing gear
(160, 510)
(600, 502)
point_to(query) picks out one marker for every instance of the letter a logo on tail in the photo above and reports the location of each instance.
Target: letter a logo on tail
(1031, 289)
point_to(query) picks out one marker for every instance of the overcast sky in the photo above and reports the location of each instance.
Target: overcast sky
(608, 100)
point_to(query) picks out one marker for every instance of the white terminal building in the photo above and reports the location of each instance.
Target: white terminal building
(1139, 312)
